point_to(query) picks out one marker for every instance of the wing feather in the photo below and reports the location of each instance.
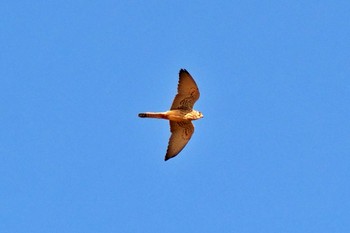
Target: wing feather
(187, 92)
(181, 133)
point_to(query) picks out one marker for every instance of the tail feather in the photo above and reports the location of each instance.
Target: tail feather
(143, 115)
(152, 115)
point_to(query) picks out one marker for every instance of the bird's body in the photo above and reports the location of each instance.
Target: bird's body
(173, 115)
(180, 114)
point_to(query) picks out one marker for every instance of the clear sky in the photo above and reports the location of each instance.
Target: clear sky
(272, 153)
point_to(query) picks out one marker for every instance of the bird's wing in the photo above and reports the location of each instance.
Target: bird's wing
(187, 92)
(181, 133)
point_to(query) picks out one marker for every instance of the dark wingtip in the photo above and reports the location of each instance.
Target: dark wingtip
(142, 115)
(166, 158)
(183, 71)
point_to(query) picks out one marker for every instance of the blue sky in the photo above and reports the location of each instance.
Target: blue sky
(272, 153)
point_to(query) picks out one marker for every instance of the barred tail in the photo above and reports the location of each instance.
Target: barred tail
(152, 115)
(143, 115)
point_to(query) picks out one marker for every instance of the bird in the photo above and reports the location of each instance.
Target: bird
(180, 115)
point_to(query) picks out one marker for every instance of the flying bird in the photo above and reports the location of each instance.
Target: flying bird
(180, 115)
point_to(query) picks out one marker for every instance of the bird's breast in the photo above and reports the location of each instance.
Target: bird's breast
(176, 115)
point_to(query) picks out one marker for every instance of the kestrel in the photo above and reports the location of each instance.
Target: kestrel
(180, 114)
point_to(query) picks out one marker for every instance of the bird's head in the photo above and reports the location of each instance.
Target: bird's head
(198, 115)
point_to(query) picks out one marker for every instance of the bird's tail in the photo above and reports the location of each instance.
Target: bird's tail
(153, 115)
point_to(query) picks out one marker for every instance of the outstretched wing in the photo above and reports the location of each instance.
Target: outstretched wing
(181, 133)
(187, 92)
